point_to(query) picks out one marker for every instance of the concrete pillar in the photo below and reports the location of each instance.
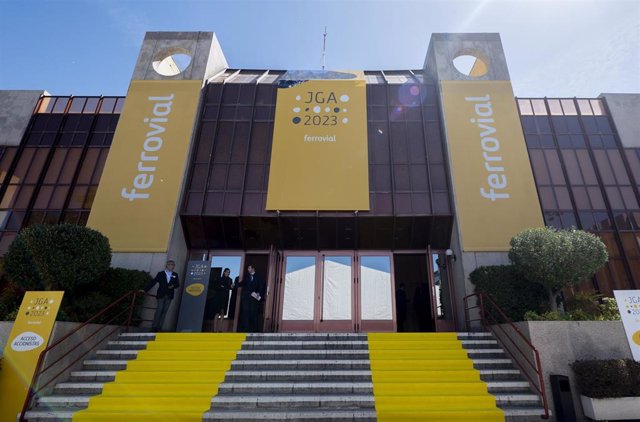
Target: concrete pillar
(16, 109)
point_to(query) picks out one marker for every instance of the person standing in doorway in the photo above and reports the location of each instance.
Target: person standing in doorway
(253, 291)
(167, 282)
(422, 306)
(221, 299)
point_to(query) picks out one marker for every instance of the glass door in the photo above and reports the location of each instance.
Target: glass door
(338, 281)
(299, 293)
(377, 298)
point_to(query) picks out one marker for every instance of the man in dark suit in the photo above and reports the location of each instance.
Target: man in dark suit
(253, 291)
(168, 282)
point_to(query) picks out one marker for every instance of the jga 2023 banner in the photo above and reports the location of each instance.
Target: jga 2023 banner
(629, 306)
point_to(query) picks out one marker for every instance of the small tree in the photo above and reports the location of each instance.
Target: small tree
(57, 257)
(557, 258)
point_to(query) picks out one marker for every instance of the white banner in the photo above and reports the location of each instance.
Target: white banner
(629, 306)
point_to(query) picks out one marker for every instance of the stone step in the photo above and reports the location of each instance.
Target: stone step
(500, 374)
(524, 400)
(516, 412)
(346, 401)
(492, 353)
(479, 344)
(126, 345)
(302, 354)
(79, 402)
(110, 365)
(300, 376)
(497, 387)
(50, 415)
(299, 364)
(472, 335)
(116, 354)
(89, 376)
(78, 388)
(295, 388)
(493, 364)
(137, 336)
(305, 345)
(295, 415)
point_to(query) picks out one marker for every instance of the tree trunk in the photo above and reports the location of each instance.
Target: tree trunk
(552, 300)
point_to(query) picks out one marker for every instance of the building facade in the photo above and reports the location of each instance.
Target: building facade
(379, 181)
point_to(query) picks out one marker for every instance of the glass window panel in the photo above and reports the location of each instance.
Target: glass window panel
(543, 125)
(635, 219)
(622, 220)
(99, 166)
(547, 141)
(401, 177)
(631, 244)
(538, 107)
(199, 177)
(571, 165)
(108, 104)
(77, 197)
(61, 105)
(42, 200)
(382, 178)
(255, 177)
(299, 288)
(91, 105)
(586, 166)
(375, 288)
(562, 196)
(553, 219)
(91, 195)
(629, 198)
(595, 141)
(596, 105)
(568, 107)
(55, 166)
(589, 124)
(555, 169)
(218, 177)
(615, 199)
(58, 197)
(194, 203)
(577, 141)
(595, 195)
(525, 107)
(533, 141)
(36, 165)
(119, 105)
(77, 105)
(539, 168)
(606, 172)
(585, 108)
(70, 165)
(336, 288)
(46, 105)
(581, 198)
(568, 220)
(610, 241)
(236, 177)
(9, 195)
(419, 180)
(603, 125)
(619, 170)
(88, 165)
(603, 221)
(564, 141)
(547, 198)
(608, 141)
(5, 163)
(621, 281)
(438, 177)
(441, 203)
(240, 143)
(24, 197)
(554, 107)
(587, 221)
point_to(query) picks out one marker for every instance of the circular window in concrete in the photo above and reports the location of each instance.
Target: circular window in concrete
(470, 65)
(172, 61)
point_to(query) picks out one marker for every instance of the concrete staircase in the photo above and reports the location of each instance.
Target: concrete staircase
(308, 377)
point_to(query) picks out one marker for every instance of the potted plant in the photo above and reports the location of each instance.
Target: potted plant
(609, 389)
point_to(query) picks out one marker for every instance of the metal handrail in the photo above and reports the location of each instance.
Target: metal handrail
(35, 387)
(495, 324)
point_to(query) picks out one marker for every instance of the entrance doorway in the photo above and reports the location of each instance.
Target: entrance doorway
(413, 297)
(336, 291)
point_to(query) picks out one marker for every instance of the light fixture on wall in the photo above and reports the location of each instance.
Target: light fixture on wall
(450, 254)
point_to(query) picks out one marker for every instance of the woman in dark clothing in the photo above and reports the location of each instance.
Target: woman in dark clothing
(221, 299)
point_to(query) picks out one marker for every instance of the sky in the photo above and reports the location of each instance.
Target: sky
(554, 48)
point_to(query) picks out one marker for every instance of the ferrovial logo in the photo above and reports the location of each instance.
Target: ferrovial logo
(26, 341)
(496, 179)
(151, 147)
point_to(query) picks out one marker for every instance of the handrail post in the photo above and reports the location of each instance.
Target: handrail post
(131, 308)
(482, 312)
(542, 388)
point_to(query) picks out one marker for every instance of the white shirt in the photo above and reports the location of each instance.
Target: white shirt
(169, 274)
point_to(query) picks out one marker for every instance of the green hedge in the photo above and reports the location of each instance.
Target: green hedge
(510, 290)
(607, 378)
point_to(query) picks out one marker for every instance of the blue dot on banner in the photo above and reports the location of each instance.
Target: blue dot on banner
(337, 109)
(296, 120)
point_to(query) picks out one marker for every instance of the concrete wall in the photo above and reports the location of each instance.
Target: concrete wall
(16, 109)
(625, 109)
(560, 343)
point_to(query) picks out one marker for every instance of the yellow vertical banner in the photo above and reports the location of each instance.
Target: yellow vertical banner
(29, 336)
(319, 158)
(139, 190)
(494, 188)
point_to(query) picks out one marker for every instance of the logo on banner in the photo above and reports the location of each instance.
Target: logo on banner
(26, 341)
(195, 289)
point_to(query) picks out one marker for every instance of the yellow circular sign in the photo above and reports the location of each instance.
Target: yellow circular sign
(636, 337)
(195, 289)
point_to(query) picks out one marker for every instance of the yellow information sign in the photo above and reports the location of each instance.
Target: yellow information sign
(29, 336)
(319, 158)
(137, 198)
(495, 192)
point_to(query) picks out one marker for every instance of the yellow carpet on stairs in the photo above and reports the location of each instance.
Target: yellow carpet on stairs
(427, 377)
(174, 379)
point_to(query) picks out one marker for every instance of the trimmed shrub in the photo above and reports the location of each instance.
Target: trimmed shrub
(510, 290)
(57, 257)
(601, 379)
(581, 307)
